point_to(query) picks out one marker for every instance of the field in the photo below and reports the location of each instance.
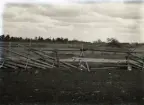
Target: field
(61, 85)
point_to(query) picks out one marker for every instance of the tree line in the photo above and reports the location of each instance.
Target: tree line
(8, 38)
(110, 41)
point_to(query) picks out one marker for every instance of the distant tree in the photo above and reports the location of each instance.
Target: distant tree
(58, 39)
(2, 37)
(40, 38)
(7, 38)
(36, 38)
(97, 41)
(27, 39)
(113, 42)
(12, 38)
(53, 40)
(66, 40)
(48, 40)
(20, 38)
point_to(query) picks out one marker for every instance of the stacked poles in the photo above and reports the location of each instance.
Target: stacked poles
(44, 61)
(15, 63)
(135, 61)
(27, 62)
(48, 59)
(135, 30)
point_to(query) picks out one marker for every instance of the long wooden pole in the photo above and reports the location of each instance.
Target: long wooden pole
(40, 62)
(46, 56)
(28, 56)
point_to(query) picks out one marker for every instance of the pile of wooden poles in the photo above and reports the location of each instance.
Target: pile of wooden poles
(26, 61)
(135, 61)
(42, 60)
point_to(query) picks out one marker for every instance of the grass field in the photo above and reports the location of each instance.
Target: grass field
(68, 54)
(107, 81)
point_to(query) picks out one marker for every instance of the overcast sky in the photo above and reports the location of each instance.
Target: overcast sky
(74, 19)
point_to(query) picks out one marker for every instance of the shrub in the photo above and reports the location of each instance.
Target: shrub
(113, 42)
